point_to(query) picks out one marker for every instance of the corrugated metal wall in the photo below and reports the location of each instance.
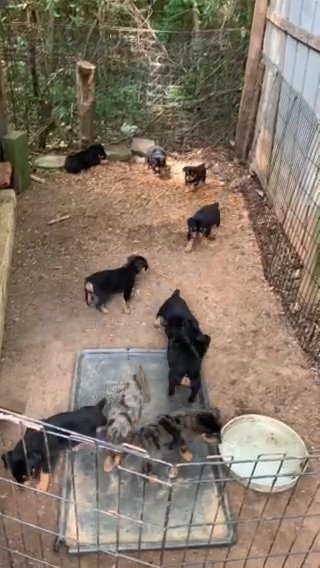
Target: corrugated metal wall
(287, 137)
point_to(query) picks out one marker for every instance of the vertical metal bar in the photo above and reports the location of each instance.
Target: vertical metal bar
(314, 540)
(143, 496)
(165, 526)
(96, 454)
(192, 512)
(261, 519)
(71, 457)
(118, 522)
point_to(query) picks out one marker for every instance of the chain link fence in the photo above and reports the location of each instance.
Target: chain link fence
(180, 88)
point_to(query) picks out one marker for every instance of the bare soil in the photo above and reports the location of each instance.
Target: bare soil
(254, 363)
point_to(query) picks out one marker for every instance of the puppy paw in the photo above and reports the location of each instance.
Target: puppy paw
(108, 464)
(157, 323)
(104, 309)
(185, 382)
(44, 482)
(153, 478)
(173, 472)
(188, 247)
(186, 455)
(126, 309)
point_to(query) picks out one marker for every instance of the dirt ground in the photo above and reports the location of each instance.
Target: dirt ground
(254, 363)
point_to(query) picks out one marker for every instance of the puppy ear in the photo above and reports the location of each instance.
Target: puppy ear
(131, 258)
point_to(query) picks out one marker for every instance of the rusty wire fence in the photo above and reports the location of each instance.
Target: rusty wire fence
(88, 519)
(285, 156)
(180, 89)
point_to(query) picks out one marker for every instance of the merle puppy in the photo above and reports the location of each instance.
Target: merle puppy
(85, 159)
(177, 317)
(201, 223)
(156, 158)
(185, 356)
(101, 285)
(193, 175)
(173, 431)
(33, 459)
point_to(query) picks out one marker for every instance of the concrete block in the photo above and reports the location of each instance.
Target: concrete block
(140, 146)
(7, 229)
(15, 145)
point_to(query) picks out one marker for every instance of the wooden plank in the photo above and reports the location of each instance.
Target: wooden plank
(296, 32)
(252, 82)
(3, 104)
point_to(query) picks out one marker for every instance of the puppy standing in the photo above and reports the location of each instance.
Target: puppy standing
(32, 460)
(101, 285)
(77, 161)
(125, 412)
(175, 310)
(194, 175)
(156, 158)
(201, 223)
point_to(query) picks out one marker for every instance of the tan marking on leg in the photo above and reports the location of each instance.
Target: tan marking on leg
(104, 309)
(108, 464)
(126, 308)
(44, 482)
(173, 472)
(186, 455)
(117, 460)
(157, 322)
(189, 245)
(153, 478)
(185, 382)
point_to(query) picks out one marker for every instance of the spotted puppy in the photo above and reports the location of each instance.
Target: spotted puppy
(34, 458)
(202, 223)
(77, 161)
(125, 412)
(100, 286)
(171, 431)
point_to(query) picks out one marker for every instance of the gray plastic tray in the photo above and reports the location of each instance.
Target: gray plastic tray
(192, 513)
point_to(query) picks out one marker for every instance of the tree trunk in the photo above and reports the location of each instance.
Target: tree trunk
(85, 86)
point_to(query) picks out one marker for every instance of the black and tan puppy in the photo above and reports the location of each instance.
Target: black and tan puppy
(33, 460)
(172, 431)
(173, 313)
(156, 158)
(101, 285)
(194, 175)
(201, 223)
(185, 353)
(77, 161)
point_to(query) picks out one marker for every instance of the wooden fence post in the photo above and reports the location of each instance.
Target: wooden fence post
(85, 86)
(252, 82)
(3, 104)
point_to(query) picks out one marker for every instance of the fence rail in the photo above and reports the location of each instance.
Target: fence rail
(202, 517)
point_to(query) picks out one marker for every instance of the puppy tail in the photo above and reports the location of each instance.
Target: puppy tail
(101, 404)
(176, 292)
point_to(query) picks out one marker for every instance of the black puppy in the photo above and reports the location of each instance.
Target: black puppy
(156, 158)
(101, 285)
(202, 222)
(184, 360)
(34, 459)
(85, 159)
(193, 175)
(173, 314)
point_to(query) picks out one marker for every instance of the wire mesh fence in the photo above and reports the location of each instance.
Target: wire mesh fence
(233, 526)
(179, 88)
(286, 158)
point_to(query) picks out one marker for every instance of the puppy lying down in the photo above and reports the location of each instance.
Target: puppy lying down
(170, 431)
(125, 413)
(34, 458)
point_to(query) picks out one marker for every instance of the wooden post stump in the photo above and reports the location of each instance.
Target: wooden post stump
(85, 87)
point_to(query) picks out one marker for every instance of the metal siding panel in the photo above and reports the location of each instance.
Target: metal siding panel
(294, 14)
(289, 59)
(312, 79)
(307, 14)
(316, 22)
(300, 67)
